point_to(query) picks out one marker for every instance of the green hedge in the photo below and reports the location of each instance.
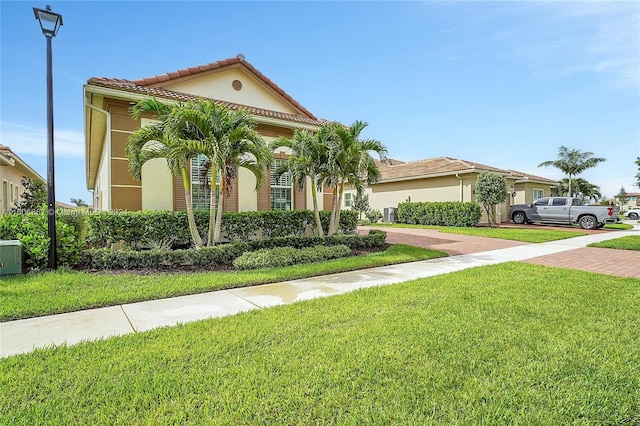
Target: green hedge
(166, 229)
(285, 256)
(224, 254)
(32, 230)
(449, 213)
(106, 259)
(375, 238)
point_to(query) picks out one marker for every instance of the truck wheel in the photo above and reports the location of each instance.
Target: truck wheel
(519, 218)
(588, 222)
(633, 216)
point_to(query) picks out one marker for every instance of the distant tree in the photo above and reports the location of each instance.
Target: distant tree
(572, 162)
(33, 197)
(637, 176)
(79, 202)
(622, 197)
(361, 203)
(491, 189)
(582, 189)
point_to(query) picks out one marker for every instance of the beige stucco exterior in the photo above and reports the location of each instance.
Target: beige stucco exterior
(445, 186)
(12, 170)
(234, 82)
(219, 85)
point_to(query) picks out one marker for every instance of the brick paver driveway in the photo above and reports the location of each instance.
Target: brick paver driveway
(623, 263)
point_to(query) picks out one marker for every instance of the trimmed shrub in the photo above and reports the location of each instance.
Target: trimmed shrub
(104, 258)
(374, 215)
(449, 213)
(375, 238)
(285, 256)
(167, 229)
(32, 230)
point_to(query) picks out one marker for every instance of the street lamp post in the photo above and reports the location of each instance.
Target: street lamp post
(50, 22)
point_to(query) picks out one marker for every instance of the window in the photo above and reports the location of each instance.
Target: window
(559, 201)
(541, 202)
(538, 193)
(200, 193)
(348, 199)
(281, 188)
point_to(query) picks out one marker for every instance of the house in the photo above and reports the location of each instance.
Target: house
(633, 201)
(233, 82)
(12, 170)
(447, 179)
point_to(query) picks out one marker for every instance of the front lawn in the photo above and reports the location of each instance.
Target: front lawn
(515, 234)
(504, 344)
(64, 291)
(631, 242)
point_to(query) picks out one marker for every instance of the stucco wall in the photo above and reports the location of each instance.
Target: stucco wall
(219, 86)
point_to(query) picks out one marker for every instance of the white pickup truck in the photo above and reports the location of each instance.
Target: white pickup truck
(566, 210)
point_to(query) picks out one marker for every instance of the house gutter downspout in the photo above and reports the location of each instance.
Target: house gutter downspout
(108, 143)
(461, 187)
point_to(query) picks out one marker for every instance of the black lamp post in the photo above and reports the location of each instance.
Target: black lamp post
(50, 22)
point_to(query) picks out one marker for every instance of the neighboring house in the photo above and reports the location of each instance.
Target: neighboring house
(633, 199)
(447, 179)
(233, 82)
(12, 170)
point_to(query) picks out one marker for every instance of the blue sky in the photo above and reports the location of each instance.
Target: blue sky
(500, 83)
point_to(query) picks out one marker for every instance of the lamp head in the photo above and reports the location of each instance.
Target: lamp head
(50, 21)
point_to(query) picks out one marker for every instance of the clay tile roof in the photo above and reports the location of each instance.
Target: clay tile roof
(531, 177)
(220, 64)
(132, 87)
(430, 167)
(141, 86)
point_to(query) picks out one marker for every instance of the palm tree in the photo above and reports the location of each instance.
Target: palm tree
(79, 202)
(582, 189)
(165, 139)
(229, 140)
(572, 162)
(308, 160)
(350, 162)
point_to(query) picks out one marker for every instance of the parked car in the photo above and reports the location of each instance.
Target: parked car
(632, 214)
(566, 210)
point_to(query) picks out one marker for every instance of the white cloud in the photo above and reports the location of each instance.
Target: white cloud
(23, 139)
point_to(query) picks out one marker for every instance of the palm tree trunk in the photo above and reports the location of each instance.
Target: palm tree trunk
(340, 195)
(193, 228)
(216, 235)
(212, 208)
(316, 213)
(334, 205)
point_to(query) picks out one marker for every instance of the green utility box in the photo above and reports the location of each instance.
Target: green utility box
(10, 257)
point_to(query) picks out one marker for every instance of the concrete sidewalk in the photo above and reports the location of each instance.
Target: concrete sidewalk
(25, 335)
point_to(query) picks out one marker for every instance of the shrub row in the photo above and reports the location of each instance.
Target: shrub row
(32, 230)
(450, 213)
(285, 256)
(106, 259)
(164, 229)
(375, 238)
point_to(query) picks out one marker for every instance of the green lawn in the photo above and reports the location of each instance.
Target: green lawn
(64, 291)
(631, 242)
(540, 235)
(504, 344)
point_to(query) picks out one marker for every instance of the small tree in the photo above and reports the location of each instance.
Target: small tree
(637, 176)
(33, 197)
(491, 189)
(622, 197)
(361, 203)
